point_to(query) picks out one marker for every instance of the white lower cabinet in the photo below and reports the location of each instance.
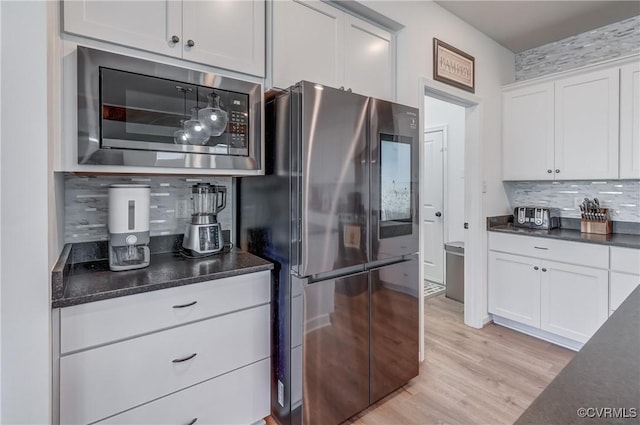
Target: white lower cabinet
(555, 300)
(621, 286)
(514, 288)
(574, 300)
(238, 397)
(215, 367)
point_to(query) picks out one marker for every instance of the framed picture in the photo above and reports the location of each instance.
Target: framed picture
(453, 66)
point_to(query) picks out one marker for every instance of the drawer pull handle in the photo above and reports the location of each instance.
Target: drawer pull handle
(184, 359)
(193, 421)
(185, 305)
(540, 247)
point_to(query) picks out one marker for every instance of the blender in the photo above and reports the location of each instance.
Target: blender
(128, 226)
(203, 235)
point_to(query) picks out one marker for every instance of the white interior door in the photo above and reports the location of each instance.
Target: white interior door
(432, 213)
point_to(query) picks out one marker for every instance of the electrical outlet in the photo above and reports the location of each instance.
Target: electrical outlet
(182, 208)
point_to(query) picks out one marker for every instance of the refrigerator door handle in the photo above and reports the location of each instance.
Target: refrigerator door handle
(335, 274)
(388, 261)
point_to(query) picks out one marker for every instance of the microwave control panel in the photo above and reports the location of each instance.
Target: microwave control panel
(238, 126)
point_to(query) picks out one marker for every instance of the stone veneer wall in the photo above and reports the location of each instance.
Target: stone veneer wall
(86, 204)
(604, 43)
(621, 196)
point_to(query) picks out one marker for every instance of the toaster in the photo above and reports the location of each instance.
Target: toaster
(536, 217)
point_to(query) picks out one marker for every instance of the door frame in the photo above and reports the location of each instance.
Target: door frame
(445, 141)
(475, 269)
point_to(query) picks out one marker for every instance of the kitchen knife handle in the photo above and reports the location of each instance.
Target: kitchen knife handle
(184, 359)
(185, 305)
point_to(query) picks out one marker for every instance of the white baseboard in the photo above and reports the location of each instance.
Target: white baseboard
(538, 333)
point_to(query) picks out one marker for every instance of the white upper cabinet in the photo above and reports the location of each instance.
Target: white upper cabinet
(307, 43)
(630, 121)
(582, 126)
(528, 133)
(316, 42)
(587, 113)
(221, 33)
(147, 25)
(367, 65)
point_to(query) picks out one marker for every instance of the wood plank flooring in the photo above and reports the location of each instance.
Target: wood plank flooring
(469, 376)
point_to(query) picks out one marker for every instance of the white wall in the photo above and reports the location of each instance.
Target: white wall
(494, 67)
(24, 279)
(440, 113)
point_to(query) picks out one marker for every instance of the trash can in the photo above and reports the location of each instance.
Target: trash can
(454, 269)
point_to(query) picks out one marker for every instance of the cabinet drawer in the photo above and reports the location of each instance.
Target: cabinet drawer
(103, 381)
(552, 249)
(625, 260)
(101, 322)
(620, 286)
(238, 397)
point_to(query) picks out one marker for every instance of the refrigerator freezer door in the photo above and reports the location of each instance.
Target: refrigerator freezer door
(394, 326)
(333, 183)
(336, 349)
(394, 140)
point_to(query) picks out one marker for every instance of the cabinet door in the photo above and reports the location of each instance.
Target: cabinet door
(528, 136)
(307, 43)
(514, 288)
(630, 122)
(369, 66)
(226, 34)
(574, 300)
(620, 286)
(147, 25)
(586, 126)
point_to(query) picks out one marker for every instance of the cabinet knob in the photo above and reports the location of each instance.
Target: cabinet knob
(438, 214)
(549, 171)
(175, 39)
(535, 267)
(544, 270)
(191, 43)
(557, 170)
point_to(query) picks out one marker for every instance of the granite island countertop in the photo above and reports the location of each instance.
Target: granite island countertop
(605, 374)
(90, 281)
(501, 224)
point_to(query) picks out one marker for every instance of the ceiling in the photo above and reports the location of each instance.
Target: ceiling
(522, 24)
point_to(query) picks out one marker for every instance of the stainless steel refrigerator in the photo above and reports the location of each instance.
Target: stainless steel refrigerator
(337, 212)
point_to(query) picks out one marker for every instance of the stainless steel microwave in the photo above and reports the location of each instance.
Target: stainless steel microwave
(137, 112)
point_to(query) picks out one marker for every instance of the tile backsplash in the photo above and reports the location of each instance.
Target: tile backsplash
(621, 196)
(608, 42)
(86, 204)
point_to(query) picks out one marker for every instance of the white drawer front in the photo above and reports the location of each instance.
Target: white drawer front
(100, 322)
(106, 380)
(625, 260)
(238, 397)
(621, 285)
(579, 253)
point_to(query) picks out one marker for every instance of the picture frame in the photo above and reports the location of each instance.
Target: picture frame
(453, 66)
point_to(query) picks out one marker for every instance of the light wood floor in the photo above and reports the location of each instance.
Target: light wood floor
(469, 376)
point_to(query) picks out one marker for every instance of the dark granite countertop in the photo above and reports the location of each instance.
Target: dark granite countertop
(93, 281)
(501, 224)
(605, 374)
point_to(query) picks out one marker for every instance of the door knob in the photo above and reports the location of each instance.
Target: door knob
(438, 214)
(191, 43)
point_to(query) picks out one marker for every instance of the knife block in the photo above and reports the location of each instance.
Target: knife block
(597, 227)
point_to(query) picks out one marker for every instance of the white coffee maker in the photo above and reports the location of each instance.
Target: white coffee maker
(128, 226)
